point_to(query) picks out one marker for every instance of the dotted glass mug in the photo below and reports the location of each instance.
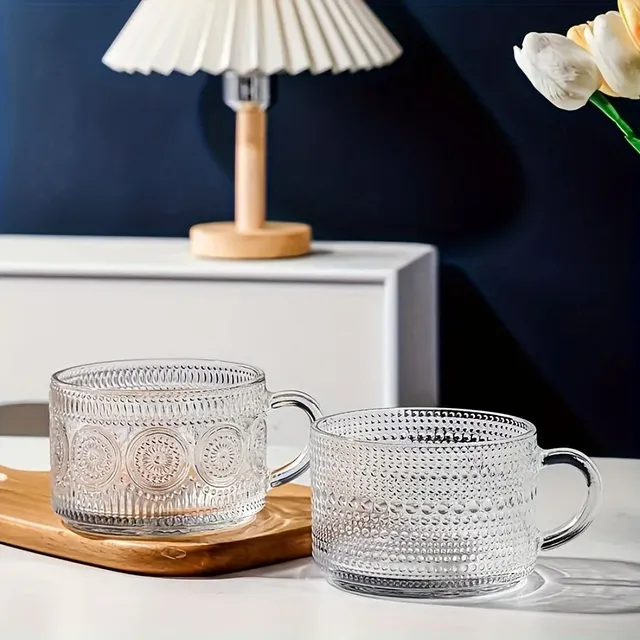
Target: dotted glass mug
(164, 447)
(422, 503)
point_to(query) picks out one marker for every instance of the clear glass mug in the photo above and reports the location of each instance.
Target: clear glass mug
(164, 447)
(423, 503)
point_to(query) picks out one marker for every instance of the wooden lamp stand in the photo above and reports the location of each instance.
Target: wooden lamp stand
(250, 236)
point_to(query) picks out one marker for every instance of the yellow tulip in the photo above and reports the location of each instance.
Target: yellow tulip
(608, 40)
(630, 12)
(577, 35)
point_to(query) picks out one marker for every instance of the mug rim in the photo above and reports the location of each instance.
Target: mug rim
(530, 431)
(59, 383)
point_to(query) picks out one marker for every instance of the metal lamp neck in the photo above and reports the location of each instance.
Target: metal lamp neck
(254, 88)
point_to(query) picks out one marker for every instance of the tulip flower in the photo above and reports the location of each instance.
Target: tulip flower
(610, 43)
(565, 72)
(562, 71)
(577, 35)
(630, 12)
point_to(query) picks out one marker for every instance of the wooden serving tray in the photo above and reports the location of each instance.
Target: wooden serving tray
(280, 532)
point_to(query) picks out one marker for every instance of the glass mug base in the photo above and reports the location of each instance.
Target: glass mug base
(160, 526)
(418, 589)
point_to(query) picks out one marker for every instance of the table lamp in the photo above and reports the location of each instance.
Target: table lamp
(248, 41)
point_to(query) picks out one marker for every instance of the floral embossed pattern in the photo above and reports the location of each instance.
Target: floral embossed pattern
(423, 503)
(157, 460)
(95, 457)
(258, 445)
(59, 450)
(220, 455)
(156, 447)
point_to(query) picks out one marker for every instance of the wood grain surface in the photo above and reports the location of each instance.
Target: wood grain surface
(272, 240)
(280, 532)
(251, 172)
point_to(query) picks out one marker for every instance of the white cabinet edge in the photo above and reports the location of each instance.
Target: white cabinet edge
(411, 377)
(169, 258)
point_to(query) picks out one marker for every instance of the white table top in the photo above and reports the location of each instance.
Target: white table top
(29, 255)
(588, 589)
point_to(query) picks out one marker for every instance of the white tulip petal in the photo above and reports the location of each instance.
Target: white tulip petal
(615, 53)
(559, 69)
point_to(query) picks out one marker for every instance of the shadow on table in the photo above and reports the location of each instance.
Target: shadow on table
(572, 585)
(24, 419)
(559, 585)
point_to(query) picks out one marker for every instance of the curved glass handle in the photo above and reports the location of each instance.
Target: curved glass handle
(299, 465)
(585, 516)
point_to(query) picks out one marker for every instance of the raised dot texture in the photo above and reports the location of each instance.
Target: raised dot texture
(444, 505)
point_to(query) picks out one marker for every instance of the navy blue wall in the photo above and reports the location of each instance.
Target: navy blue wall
(530, 205)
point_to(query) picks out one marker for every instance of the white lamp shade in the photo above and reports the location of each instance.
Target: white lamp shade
(249, 36)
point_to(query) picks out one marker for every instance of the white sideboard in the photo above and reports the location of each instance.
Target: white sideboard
(354, 324)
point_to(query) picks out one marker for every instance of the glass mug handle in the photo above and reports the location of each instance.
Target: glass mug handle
(299, 465)
(584, 517)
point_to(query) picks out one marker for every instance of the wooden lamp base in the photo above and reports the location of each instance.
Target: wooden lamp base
(272, 240)
(250, 236)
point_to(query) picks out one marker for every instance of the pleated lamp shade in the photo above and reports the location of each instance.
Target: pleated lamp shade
(251, 36)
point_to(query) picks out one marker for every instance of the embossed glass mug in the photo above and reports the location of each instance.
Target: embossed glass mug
(421, 503)
(164, 447)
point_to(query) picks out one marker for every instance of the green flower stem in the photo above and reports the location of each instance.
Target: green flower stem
(634, 142)
(599, 100)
